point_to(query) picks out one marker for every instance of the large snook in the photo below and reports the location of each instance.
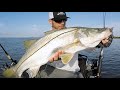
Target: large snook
(70, 40)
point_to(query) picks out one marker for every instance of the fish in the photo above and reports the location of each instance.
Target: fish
(70, 40)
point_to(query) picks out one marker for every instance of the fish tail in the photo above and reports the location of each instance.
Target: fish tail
(9, 73)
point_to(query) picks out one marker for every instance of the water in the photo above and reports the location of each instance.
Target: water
(110, 64)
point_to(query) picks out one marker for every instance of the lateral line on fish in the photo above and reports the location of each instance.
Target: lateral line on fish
(47, 43)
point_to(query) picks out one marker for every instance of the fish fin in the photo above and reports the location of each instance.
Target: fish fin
(28, 43)
(49, 32)
(65, 58)
(52, 31)
(9, 73)
(76, 40)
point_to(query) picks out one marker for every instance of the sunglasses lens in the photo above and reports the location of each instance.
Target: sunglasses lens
(59, 21)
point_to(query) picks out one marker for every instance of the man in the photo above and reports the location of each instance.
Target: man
(55, 69)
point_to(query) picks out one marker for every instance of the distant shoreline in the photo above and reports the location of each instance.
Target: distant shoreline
(116, 37)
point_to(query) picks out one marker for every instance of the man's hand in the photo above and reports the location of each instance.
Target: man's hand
(56, 56)
(105, 41)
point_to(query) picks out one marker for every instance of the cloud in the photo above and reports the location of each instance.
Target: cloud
(84, 25)
(115, 25)
(2, 25)
(38, 29)
(34, 27)
(6, 34)
(34, 30)
(116, 28)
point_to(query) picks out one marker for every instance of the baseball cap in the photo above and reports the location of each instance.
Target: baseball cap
(57, 15)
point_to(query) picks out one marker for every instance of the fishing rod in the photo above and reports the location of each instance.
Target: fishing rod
(9, 57)
(104, 17)
(101, 51)
(100, 63)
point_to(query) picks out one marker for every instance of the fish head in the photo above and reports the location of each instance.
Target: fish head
(105, 32)
(91, 37)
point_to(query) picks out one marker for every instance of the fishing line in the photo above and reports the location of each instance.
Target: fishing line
(101, 51)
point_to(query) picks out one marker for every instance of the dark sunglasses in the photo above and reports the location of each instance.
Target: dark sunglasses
(59, 21)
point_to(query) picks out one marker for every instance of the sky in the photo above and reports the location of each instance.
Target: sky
(34, 24)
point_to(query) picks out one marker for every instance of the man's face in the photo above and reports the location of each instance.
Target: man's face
(58, 24)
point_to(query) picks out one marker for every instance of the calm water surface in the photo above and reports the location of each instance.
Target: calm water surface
(110, 64)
